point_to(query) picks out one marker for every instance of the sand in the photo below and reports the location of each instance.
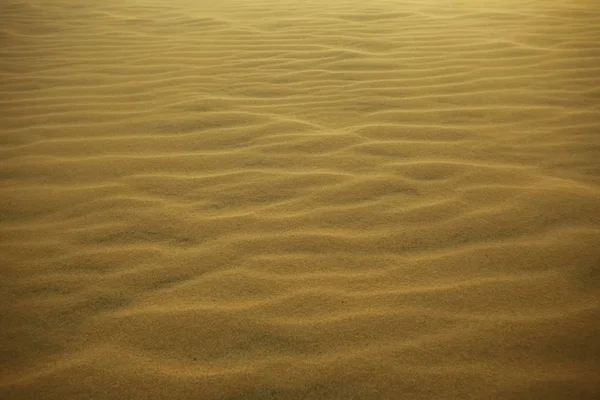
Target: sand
(393, 199)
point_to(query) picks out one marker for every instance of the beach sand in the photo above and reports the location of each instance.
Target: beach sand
(394, 199)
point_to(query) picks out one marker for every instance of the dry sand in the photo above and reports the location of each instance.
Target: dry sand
(229, 199)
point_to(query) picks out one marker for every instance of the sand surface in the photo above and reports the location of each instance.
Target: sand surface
(320, 199)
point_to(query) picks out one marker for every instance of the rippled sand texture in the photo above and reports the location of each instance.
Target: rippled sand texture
(300, 199)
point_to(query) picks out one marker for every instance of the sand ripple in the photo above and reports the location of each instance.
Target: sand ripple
(300, 200)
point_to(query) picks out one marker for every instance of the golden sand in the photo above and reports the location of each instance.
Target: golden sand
(389, 199)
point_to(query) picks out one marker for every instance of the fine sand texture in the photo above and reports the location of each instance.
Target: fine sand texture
(309, 199)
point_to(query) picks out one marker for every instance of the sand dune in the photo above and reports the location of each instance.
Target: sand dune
(300, 200)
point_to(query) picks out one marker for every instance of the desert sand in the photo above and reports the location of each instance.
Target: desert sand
(392, 199)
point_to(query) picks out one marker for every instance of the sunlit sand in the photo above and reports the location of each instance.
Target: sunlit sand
(211, 200)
